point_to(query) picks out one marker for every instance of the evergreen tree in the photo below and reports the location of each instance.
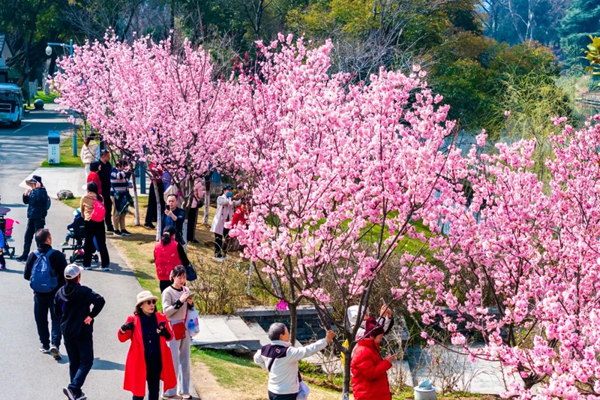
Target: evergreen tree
(581, 21)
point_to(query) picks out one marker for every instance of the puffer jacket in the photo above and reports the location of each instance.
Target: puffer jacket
(369, 372)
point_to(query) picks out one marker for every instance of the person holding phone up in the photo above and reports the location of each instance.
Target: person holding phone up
(369, 369)
(149, 358)
(177, 300)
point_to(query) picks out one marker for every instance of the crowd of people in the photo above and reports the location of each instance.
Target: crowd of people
(160, 342)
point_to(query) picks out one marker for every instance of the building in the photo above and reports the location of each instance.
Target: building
(5, 54)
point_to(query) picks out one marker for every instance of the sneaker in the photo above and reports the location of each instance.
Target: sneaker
(69, 394)
(55, 353)
(2, 267)
(219, 259)
(82, 396)
(111, 230)
(125, 233)
(44, 350)
(87, 268)
(64, 244)
(150, 225)
(21, 258)
(105, 269)
(117, 233)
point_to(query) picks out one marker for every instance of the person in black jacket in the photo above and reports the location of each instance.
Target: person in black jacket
(44, 302)
(77, 307)
(104, 174)
(37, 200)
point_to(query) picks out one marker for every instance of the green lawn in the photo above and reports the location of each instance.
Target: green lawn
(47, 98)
(66, 154)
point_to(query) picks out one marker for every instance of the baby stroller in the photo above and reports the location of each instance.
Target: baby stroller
(6, 229)
(75, 238)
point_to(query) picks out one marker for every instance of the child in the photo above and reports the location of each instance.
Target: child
(75, 228)
(2, 261)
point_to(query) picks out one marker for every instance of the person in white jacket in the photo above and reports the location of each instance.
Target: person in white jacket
(280, 358)
(89, 154)
(226, 203)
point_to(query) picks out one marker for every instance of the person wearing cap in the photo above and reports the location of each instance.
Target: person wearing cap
(281, 359)
(43, 303)
(149, 358)
(38, 202)
(369, 370)
(225, 205)
(93, 230)
(77, 306)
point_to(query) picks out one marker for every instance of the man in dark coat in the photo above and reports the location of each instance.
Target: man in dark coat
(43, 302)
(38, 202)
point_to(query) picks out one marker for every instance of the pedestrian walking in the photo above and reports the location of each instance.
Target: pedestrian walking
(94, 175)
(177, 300)
(119, 181)
(44, 270)
(149, 357)
(155, 183)
(369, 370)
(38, 203)
(174, 216)
(281, 359)
(77, 306)
(88, 153)
(168, 253)
(105, 171)
(225, 205)
(92, 208)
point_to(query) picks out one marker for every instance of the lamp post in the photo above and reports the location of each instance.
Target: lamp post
(49, 53)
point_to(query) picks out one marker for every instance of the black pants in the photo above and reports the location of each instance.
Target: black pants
(81, 358)
(163, 285)
(43, 303)
(220, 244)
(192, 221)
(273, 396)
(108, 216)
(151, 210)
(33, 225)
(95, 230)
(153, 369)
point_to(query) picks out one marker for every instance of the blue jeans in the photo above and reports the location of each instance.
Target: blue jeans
(81, 359)
(42, 304)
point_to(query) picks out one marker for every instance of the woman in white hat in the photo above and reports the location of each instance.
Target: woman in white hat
(149, 358)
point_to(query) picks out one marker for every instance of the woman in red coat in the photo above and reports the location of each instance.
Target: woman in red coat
(149, 358)
(369, 370)
(93, 175)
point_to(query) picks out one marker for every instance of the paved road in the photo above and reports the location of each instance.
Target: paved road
(25, 373)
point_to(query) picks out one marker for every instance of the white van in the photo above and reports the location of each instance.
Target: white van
(11, 104)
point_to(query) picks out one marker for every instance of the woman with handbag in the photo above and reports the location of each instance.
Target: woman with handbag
(168, 253)
(177, 301)
(149, 358)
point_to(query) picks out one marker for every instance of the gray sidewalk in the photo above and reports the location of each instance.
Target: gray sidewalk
(26, 373)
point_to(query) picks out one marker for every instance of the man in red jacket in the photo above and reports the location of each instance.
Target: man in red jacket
(369, 370)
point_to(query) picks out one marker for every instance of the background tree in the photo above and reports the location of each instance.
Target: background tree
(581, 20)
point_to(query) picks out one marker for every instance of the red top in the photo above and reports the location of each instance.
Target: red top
(369, 372)
(94, 177)
(239, 217)
(135, 366)
(166, 258)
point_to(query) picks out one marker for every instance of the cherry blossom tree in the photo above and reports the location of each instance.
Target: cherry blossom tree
(337, 172)
(525, 277)
(154, 104)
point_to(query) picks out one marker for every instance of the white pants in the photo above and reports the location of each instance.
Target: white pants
(180, 351)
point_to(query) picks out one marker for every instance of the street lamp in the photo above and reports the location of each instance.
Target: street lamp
(49, 53)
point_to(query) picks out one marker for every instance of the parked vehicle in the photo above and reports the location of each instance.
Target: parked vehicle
(11, 104)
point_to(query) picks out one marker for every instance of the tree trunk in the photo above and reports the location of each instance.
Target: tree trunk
(136, 202)
(346, 383)
(206, 199)
(159, 213)
(293, 322)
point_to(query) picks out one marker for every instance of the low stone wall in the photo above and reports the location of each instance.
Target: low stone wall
(309, 326)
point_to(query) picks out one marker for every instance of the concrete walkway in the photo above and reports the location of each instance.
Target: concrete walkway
(26, 373)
